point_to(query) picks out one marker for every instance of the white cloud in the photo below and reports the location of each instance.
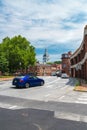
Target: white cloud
(56, 21)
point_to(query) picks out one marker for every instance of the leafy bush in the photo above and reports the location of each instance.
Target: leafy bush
(78, 83)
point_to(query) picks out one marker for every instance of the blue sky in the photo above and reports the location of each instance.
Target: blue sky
(53, 24)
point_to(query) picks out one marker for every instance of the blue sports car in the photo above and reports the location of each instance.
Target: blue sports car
(27, 81)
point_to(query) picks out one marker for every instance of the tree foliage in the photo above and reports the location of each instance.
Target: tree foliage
(55, 62)
(16, 53)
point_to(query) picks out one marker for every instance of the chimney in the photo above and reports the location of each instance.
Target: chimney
(69, 53)
(85, 30)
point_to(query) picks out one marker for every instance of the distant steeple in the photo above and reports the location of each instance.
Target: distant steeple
(45, 57)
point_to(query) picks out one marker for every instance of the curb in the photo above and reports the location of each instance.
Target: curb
(80, 89)
(5, 79)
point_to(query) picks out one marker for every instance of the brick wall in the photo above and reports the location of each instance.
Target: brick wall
(79, 59)
(66, 63)
(44, 69)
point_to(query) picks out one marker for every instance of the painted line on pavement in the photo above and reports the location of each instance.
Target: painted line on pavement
(9, 106)
(82, 99)
(49, 86)
(12, 107)
(61, 97)
(52, 82)
(47, 95)
(81, 102)
(70, 116)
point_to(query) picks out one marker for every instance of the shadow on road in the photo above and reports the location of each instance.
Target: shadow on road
(33, 119)
(13, 87)
(71, 82)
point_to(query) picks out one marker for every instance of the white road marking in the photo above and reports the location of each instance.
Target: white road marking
(38, 126)
(12, 107)
(49, 86)
(81, 102)
(52, 82)
(9, 106)
(61, 97)
(83, 99)
(47, 95)
(70, 116)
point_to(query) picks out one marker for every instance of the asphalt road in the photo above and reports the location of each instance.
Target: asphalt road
(33, 119)
(54, 106)
(55, 89)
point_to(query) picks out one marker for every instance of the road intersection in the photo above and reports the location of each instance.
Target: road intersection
(55, 89)
(56, 96)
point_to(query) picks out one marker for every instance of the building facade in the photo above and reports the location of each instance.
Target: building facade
(44, 69)
(79, 59)
(66, 63)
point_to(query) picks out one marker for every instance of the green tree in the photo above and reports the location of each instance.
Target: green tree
(3, 63)
(57, 62)
(18, 52)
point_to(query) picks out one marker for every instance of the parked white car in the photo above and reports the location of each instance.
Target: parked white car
(64, 75)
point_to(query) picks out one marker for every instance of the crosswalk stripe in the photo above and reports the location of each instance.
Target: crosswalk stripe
(81, 102)
(70, 116)
(83, 99)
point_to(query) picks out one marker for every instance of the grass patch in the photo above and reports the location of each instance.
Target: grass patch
(77, 83)
(79, 87)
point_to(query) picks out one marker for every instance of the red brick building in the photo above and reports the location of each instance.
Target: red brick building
(66, 63)
(44, 69)
(79, 59)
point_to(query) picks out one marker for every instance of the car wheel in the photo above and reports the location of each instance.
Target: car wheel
(42, 83)
(27, 85)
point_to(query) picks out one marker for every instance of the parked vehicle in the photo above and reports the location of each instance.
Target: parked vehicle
(58, 74)
(27, 81)
(53, 74)
(64, 75)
